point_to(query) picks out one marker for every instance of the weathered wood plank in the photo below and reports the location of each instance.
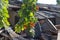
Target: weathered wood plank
(58, 27)
(58, 37)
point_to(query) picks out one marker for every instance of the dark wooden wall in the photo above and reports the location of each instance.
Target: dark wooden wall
(13, 16)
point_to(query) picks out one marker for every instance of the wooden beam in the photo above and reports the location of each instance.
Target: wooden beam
(58, 27)
(14, 6)
(58, 37)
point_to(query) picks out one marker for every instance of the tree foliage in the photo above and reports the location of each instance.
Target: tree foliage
(26, 13)
(27, 19)
(4, 13)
